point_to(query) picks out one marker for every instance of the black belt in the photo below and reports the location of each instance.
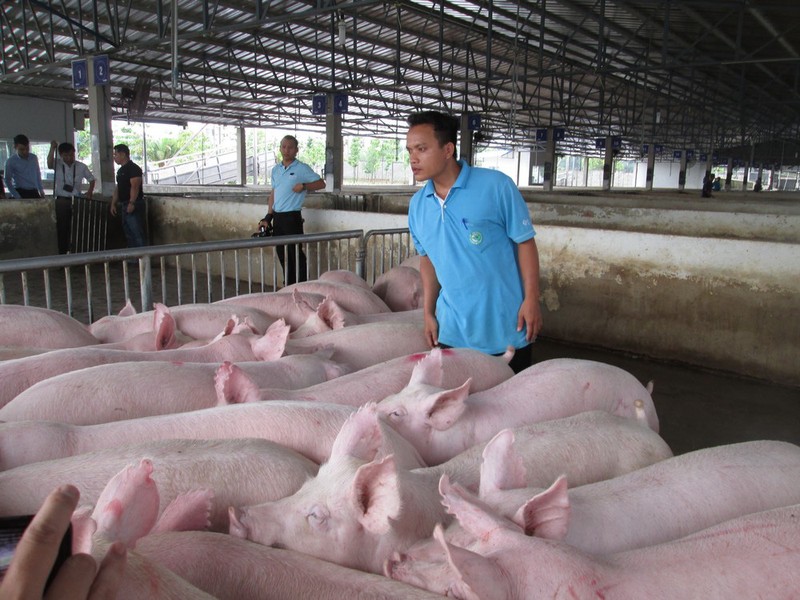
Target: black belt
(63, 197)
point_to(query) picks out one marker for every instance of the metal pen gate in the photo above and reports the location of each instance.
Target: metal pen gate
(90, 285)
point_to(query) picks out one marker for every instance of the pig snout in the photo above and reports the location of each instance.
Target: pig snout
(248, 526)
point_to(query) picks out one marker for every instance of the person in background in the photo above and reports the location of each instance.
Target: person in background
(757, 186)
(291, 179)
(707, 183)
(69, 177)
(79, 577)
(129, 195)
(479, 262)
(717, 184)
(22, 175)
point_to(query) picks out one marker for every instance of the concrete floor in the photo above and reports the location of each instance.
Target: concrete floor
(698, 408)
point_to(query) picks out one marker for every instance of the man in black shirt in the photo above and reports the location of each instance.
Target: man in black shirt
(130, 196)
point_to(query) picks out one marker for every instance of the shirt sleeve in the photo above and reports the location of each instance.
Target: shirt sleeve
(8, 175)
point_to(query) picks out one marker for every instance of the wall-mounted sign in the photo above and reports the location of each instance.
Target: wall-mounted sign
(690, 155)
(559, 133)
(473, 122)
(600, 143)
(616, 142)
(541, 135)
(677, 154)
(319, 105)
(102, 75)
(80, 74)
(340, 102)
(659, 148)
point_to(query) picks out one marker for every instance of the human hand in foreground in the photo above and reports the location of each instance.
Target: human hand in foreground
(79, 577)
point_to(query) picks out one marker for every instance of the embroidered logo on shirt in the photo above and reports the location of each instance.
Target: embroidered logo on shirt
(475, 237)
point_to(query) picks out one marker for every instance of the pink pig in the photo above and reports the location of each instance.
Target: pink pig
(329, 315)
(400, 287)
(441, 423)
(32, 327)
(294, 308)
(129, 390)
(354, 298)
(752, 556)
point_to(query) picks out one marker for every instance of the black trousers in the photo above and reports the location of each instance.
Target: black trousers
(292, 258)
(26, 193)
(63, 222)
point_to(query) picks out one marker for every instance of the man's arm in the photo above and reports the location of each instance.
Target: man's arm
(530, 313)
(114, 197)
(51, 156)
(9, 177)
(90, 190)
(136, 185)
(430, 293)
(39, 179)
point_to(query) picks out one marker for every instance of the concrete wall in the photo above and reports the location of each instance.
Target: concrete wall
(27, 228)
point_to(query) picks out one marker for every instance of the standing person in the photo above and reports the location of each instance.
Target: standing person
(291, 179)
(130, 196)
(708, 182)
(479, 261)
(69, 177)
(22, 175)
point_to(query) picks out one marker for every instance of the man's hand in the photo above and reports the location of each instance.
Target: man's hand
(530, 317)
(131, 207)
(431, 331)
(113, 209)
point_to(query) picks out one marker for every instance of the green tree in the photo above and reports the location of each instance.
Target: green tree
(312, 152)
(354, 154)
(373, 159)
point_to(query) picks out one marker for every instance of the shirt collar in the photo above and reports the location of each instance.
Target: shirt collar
(460, 181)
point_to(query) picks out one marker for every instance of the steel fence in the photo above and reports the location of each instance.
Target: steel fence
(90, 285)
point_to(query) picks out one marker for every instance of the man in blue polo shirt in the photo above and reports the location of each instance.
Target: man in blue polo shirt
(22, 175)
(291, 179)
(479, 261)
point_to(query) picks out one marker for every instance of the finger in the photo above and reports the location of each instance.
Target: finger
(109, 577)
(74, 578)
(38, 547)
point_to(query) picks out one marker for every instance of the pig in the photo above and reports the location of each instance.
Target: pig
(354, 298)
(230, 568)
(378, 381)
(400, 288)
(587, 447)
(294, 308)
(751, 556)
(198, 321)
(381, 506)
(444, 422)
(235, 471)
(355, 512)
(343, 276)
(19, 374)
(129, 390)
(329, 315)
(363, 346)
(412, 262)
(33, 327)
(306, 427)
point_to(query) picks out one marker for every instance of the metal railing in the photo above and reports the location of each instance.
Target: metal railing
(89, 226)
(93, 284)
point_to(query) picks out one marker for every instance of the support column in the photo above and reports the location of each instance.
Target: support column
(241, 156)
(549, 176)
(102, 138)
(651, 167)
(585, 163)
(682, 171)
(334, 148)
(729, 176)
(608, 164)
(465, 143)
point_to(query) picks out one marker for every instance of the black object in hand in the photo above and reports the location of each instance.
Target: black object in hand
(263, 230)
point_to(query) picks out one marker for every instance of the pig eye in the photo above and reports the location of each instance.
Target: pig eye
(397, 414)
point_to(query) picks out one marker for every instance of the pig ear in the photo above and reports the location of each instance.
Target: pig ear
(272, 344)
(473, 516)
(128, 506)
(462, 563)
(376, 495)
(546, 514)
(331, 313)
(128, 310)
(190, 511)
(164, 329)
(502, 467)
(429, 370)
(361, 435)
(442, 409)
(234, 386)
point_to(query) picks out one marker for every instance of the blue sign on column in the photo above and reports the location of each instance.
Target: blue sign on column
(319, 105)
(559, 133)
(616, 142)
(703, 158)
(690, 155)
(676, 154)
(80, 74)
(659, 148)
(473, 122)
(541, 135)
(340, 103)
(600, 142)
(102, 76)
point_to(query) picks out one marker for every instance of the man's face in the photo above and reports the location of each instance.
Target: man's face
(428, 159)
(288, 150)
(22, 150)
(68, 157)
(120, 157)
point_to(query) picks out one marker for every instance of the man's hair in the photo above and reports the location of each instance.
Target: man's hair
(21, 138)
(445, 126)
(123, 149)
(65, 147)
(292, 139)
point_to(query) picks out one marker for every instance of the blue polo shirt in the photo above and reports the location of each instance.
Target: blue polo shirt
(284, 179)
(471, 241)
